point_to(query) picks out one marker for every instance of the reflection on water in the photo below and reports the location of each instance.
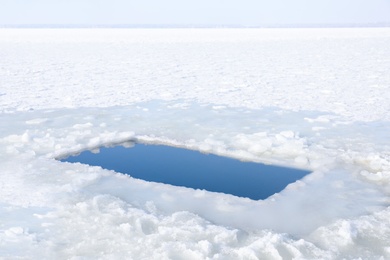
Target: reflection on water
(192, 169)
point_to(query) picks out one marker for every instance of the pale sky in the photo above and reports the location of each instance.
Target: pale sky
(194, 12)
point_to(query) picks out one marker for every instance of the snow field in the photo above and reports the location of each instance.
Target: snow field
(308, 98)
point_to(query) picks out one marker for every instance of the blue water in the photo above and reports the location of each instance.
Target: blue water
(192, 169)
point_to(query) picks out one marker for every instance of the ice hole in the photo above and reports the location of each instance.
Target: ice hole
(193, 169)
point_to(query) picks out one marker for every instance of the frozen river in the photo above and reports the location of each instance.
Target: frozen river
(315, 99)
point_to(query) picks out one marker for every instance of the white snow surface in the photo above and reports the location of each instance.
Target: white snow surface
(315, 99)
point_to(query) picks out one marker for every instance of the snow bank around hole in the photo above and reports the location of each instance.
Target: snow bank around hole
(48, 200)
(50, 209)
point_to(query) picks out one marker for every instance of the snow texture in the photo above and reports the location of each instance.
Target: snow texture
(316, 99)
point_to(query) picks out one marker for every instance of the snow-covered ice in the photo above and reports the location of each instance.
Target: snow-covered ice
(316, 99)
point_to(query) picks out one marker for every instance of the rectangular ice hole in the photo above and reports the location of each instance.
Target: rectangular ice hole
(193, 169)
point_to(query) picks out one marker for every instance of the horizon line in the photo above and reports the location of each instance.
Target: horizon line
(178, 26)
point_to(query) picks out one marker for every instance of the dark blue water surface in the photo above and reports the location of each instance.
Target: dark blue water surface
(192, 169)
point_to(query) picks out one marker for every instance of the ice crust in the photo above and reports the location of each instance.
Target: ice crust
(307, 98)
